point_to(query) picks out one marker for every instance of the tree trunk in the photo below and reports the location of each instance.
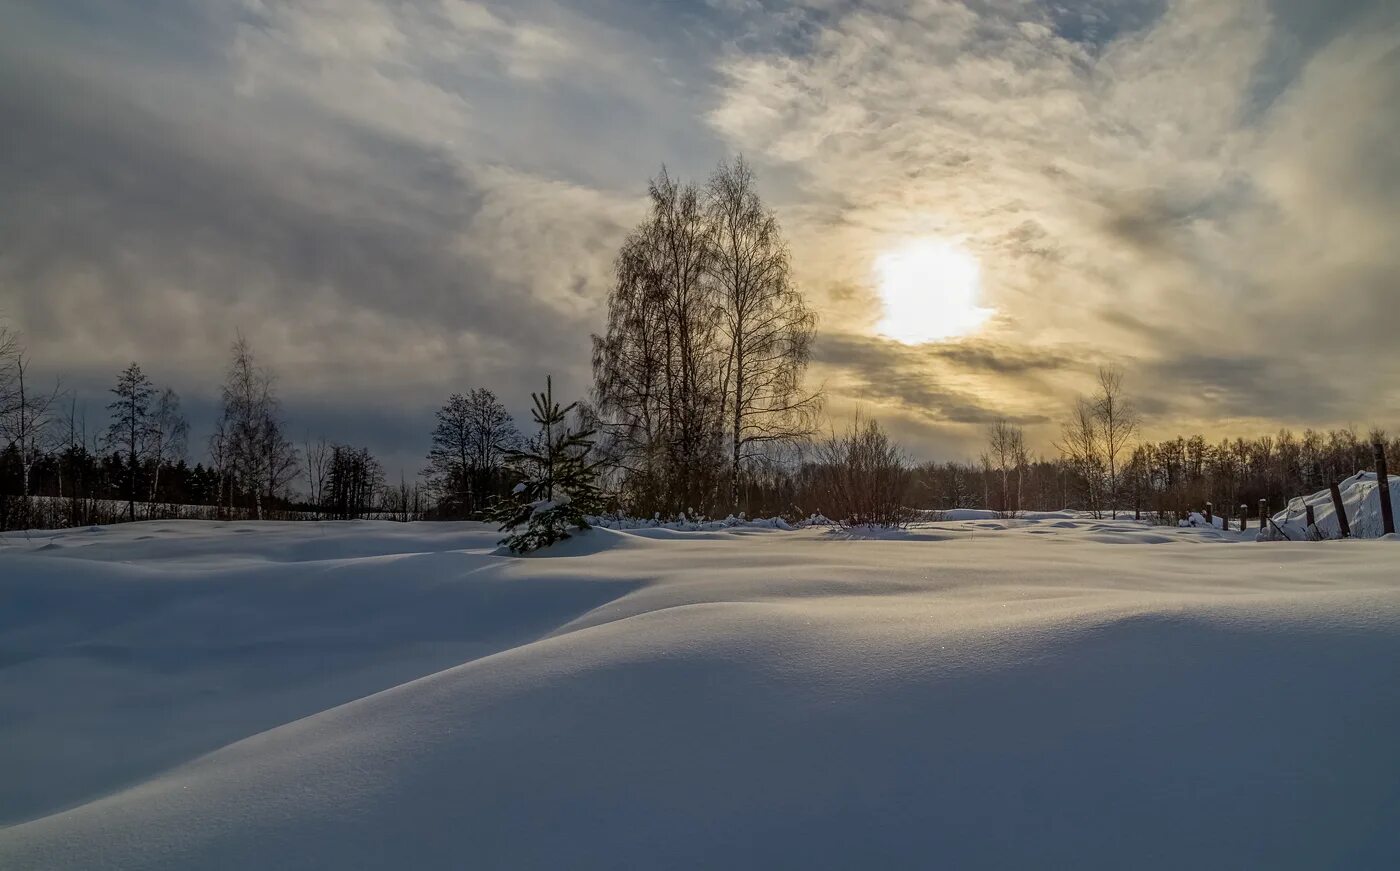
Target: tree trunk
(738, 427)
(131, 467)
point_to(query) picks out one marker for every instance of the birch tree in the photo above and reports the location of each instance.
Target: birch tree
(1081, 445)
(1006, 460)
(257, 454)
(317, 455)
(28, 416)
(169, 434)
(1118, 424)
(658, 372)
(766, 326)
(706, 344)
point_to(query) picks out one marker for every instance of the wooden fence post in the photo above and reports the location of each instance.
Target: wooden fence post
(1263, 512)
(1210, 515)
(1311, 529)
(1387, 513)
(1339, 508)
(1244, 517)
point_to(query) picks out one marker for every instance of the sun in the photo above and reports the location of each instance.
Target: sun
(930, 290)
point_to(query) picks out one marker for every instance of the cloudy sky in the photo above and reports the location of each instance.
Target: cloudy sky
(396, 200)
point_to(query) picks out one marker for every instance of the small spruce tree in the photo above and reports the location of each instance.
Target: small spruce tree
(559, 490)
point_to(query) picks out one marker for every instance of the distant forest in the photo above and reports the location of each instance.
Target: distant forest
(699, 409)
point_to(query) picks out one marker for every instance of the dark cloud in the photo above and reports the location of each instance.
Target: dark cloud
(1151, 219)
(98, 184)
(365, 268)
(1301, 29)
(1002, 358)
(1246, 386)
(966, 355)
(1029, 239)
(914, 378)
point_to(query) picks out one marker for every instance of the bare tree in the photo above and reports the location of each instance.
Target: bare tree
(1118, 424)
(405, 501)
(1006, 457)
(700, 371)
(259, 456)
(860, 477)
(72, 466)
(29, 426)
(317, 454)
(245, 392)
(765, 324)
(1081, 445)
(946, 485)
(169, 434)
(1022, 459)
(659, 370)
(129, 431)
(353, 479)
(280, 455)
(220, 461)
(26, 413)
(10, 353)
(466, 464)
(10, 350)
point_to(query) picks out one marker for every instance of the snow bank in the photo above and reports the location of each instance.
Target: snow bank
(368, 695)
(1361, 499)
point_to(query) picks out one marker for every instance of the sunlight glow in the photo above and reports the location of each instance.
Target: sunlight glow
(930, 290)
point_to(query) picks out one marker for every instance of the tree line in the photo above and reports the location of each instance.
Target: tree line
(56, 469)
(1104, 468)
(698, 408)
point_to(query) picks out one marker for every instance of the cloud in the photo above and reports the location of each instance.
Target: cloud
(398, 200)
(939, 383)
(1202, 190)
(311, 184)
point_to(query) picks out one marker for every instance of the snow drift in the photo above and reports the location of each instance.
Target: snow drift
(1361, 499)
(1056, 692)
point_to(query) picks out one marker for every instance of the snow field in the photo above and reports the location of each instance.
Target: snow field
(1042, 692)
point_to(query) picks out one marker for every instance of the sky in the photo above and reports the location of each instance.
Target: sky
(395, 201)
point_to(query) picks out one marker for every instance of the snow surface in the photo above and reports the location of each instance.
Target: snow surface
(1048, 691)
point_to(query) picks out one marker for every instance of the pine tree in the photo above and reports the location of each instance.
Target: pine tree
(560, 486)
(130, 427)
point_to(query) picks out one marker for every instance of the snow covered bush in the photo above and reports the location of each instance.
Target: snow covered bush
(559, 490)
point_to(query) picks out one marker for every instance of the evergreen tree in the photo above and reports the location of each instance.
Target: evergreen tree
(560, 488)
(130, 428)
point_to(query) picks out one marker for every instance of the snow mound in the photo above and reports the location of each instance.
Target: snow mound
(1360, 498)
(1059, 693)
(1197, 520)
